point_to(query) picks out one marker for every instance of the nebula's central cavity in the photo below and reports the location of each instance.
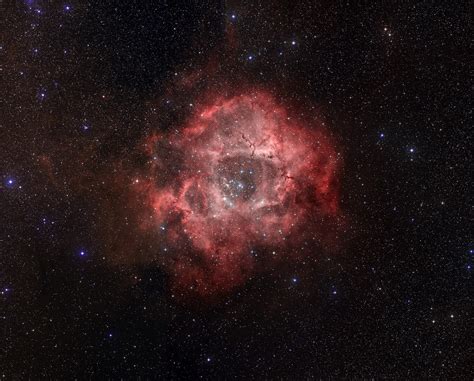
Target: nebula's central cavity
(240, 175)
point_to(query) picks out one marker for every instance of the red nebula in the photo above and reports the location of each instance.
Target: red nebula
(241, 174)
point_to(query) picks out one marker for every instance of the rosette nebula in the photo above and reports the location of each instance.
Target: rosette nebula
(242, 180)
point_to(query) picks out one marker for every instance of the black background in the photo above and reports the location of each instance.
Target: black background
(392, 82)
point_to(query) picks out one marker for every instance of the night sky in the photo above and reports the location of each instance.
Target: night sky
(235, 189)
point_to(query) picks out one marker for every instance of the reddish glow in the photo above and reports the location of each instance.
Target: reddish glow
(241, 174)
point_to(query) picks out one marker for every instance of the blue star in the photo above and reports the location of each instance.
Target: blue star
(41, 95)
(10, 182)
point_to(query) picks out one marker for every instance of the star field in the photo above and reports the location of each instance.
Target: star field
(235, 189)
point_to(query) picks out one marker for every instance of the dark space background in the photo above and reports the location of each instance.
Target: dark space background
(392, 80)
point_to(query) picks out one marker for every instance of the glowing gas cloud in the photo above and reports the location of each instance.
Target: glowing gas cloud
(241, 175)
